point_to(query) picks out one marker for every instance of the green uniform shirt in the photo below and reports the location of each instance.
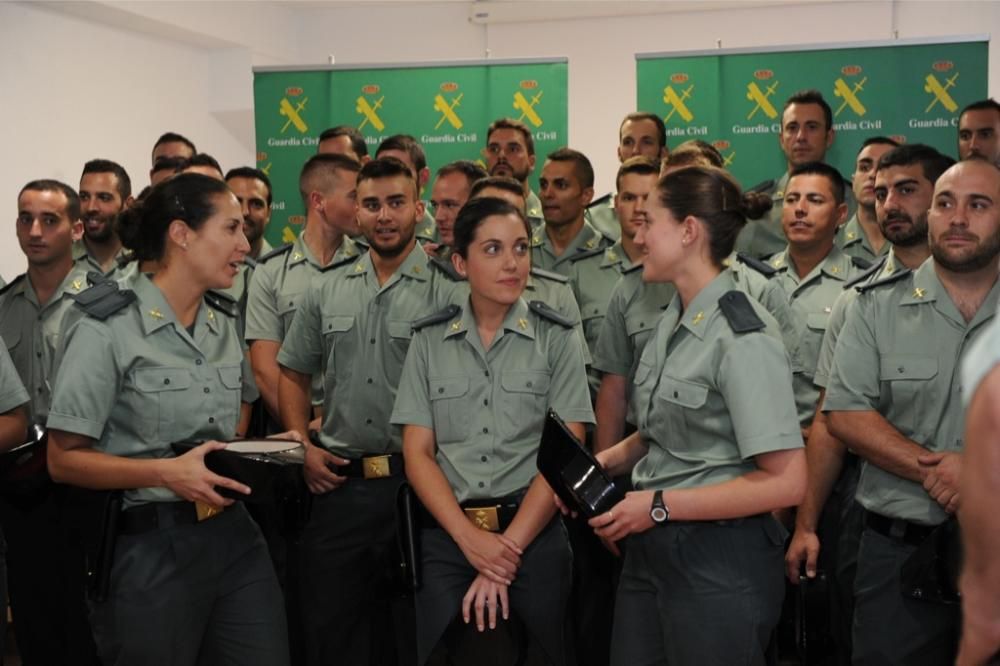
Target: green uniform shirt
(811, 300)
(768, 293)
(979, 360)
(426, 227)
(82, 256)
(359, 332)
(853, 240)
(279, 284)
(139, 381)
(709, 399)
(588, 240)
(554, 290)
(602, 216)
(898, 354)
(12, 392)
(593, 278)
(487, 406)
(533, 210)
(32, 334)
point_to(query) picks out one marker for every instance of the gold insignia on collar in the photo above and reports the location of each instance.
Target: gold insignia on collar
(522, 324)
(835, 270)
(591, 244)
(918, 292)
(155, 313)
(416, 269)
(612, 255)
(727, 262)
(456, 325)
(777, 262)
(889, 269)
(827, 310)
(535, 240)
(77, 284)
(851, 235)
(297, 256)
(698, 317)
(211, 316)
(359, 268)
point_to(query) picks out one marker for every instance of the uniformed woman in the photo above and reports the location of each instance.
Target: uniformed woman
(472, 400)
(191, 581)
(718, 446)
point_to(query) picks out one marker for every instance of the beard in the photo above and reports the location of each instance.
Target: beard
(519, 176)
(252, 231)
(914, 234)
(389, 250)
(102, 233)
(966, 260)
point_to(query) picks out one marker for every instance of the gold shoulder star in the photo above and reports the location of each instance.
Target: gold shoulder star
(456, 325)
(776, 263)
(851, 235)
(155, 313)
(77, 284)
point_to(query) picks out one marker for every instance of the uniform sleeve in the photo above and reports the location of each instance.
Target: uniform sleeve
(302, 349)
(86, 389)
(262, 319)
(755, 380)
(775, 300)
(613, 353)
(824, 364)
(249, 392)
(569, 395)
(413, 405)
(853, 383)
(12, 393)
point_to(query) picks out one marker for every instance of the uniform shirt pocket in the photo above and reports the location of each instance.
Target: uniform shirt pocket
(449, 398)
(523, 401)
(231, 378)
(680, 402)
(286, 306)
(336, 343)
(163, 402)
(909, 393)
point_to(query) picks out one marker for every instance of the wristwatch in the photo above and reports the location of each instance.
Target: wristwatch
(659, 511)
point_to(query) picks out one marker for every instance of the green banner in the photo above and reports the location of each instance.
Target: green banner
(912, 92)
(446, 107)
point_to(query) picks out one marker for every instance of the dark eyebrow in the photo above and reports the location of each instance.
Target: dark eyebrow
(907, 181)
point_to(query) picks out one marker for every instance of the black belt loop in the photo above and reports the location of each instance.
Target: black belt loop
(897, 529)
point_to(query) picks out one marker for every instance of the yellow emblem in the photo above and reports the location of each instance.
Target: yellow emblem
(536, 240)
(456, 325)
(447, 110)
(591, 243)
(850, 96)
(762, 98)
(527, 108)
(835, 270)
(297, 256)
(918, 292)
(851, 235)
(155, 314)
(294, 115)
(359, 268)
(676, 103)
(698, 317)
(211, 316)
(777, 262)
(522, 324)
(827, 310)
(77, 284)
(416, 269)
(612, 255)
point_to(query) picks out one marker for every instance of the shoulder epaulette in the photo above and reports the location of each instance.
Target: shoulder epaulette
(543, 310)
(739, 312)
(343, 261)
(103, 299)
(124, 258)
(868, 272)
(761, 267)
(763, 187)
(446, 267)
(586, 254)
(548, 275)
(12, 283)
(274, 253)
(250, 261)
(601, 200)
(888, 279)
(447, 314)
(97, 277)
(863, 264)
(224, 303)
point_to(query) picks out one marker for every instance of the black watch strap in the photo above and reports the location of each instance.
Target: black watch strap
(659, 511)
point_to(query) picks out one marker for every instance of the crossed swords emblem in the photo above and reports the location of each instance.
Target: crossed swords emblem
(940, 92)
(368, 110)
(285, 109)
(755, 94)
(676, 101)
(850, 96)
(527, 108)
(448, 111)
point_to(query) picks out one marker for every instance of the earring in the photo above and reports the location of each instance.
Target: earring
(184, 245)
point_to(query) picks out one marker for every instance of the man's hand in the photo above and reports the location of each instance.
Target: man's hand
(941, 475)
(804, 547)
(318, 470)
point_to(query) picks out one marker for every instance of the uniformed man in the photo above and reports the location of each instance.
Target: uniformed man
(204, 164)
(105, 191)
(171, 144)
(979, 131)
(640, 134)
(510, 151)
(806, 134)
(355, 325)
(344, 140)
(46, 598)
(408, 150)
(828, 524)
(892, 398)
(861, 237)
(252, 188)
(450, 192)
(328, 185)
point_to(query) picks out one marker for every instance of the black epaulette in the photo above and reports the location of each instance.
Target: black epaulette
(103, 299)
(762, 187)
(445, 267)
(96, 277)
(598, 202)
(250, 261)
(224, 303)
(447, 314)
(275, 252)
(124, 259)
(548, 275)
(739, 312)
(543, 310)
(888, 279)
(863, 264)
(868, 272)
(343, 261)
(12, 283)
(761, 267)
(586, 254)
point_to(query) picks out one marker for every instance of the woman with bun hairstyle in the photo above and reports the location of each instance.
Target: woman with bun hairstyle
(717, 450)
(162, 362)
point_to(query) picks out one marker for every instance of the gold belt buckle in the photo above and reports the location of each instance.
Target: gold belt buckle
(375, 467)
(484, 517)
(206, 511)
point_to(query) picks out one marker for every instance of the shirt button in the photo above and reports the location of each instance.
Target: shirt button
(197, 361)
(486, 402)
(207, 390)
(528, 385)
(483, 458)
(482, 485)
(675, 394)
(38, 354)
(166, 381)
(369, 380)
(372, 341)
(211, 419)
(487, 373)
(368, 421)
(441, 389)
(486, 431)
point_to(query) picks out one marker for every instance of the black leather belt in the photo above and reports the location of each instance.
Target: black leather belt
(897, 529)
(492, 515)
(372, 467)
(161, 515)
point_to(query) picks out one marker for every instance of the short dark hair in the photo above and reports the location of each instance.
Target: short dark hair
(510, 123)
(826, 171)
(252, 173)
(173, 137)
(581, 165)
(203, 160)
(810, 96)
(505, 183)
(52, 185)
(467, 168)
(174, 164)
(408, 145)
(931, 161)
(638, 116)
(385, 167)
(880, 140)
(358, 144)
(685, 157)
(122, 182)
(474, 212)
(187, 197)
(319, 169)
(982, 105)
(707, 150)
(638, 165)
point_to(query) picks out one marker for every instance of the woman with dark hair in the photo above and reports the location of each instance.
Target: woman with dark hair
(472, 401)
(717, 450)
(191, 581)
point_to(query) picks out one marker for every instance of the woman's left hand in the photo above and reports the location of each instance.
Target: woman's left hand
(484, 596)
(630, 516)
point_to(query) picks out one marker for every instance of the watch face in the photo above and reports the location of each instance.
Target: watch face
(658, 514)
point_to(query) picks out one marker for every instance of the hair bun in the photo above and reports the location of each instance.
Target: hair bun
(129, 224)
(755, 204)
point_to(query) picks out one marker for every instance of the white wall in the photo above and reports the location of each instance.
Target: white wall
(83, 80)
